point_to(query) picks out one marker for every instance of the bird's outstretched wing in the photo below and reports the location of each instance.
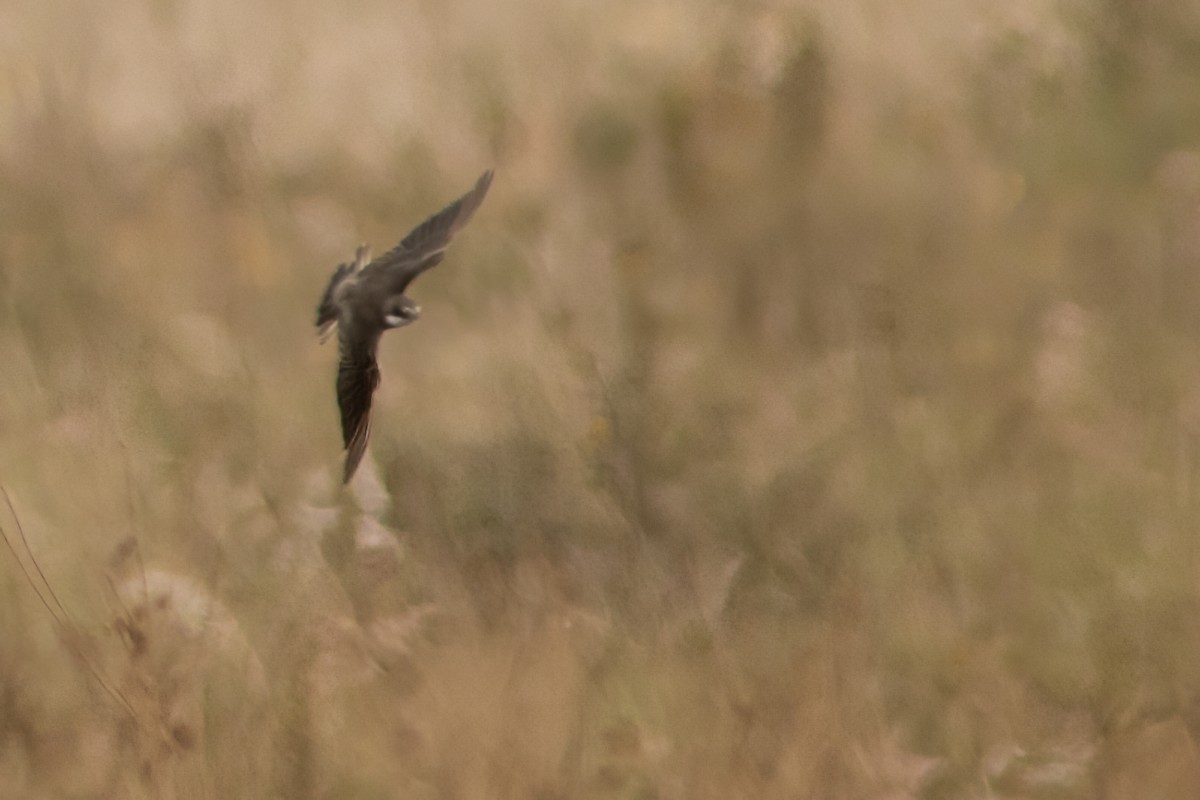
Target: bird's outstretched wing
(358, 376)
(422, 248)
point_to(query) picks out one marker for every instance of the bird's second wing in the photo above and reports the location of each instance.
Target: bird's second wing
(358, 375)
(418, 250)
(327, 309)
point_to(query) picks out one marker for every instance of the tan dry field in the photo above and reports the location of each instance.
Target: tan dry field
(811, 411)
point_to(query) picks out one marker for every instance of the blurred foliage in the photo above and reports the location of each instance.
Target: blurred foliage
(811, 409)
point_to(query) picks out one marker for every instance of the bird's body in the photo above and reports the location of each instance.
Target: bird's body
(366, 297)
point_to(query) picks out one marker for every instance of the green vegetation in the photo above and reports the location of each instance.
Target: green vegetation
(812, 409)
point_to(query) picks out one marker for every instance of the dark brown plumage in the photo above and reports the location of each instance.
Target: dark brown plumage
(365, 299)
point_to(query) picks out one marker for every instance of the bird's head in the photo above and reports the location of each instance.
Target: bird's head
(400, 311)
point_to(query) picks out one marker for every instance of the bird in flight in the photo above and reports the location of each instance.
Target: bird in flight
(366, 297)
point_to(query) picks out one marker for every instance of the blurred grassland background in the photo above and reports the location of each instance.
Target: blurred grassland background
(812, 409)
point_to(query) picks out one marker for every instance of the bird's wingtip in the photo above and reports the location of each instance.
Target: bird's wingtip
(362, 255)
